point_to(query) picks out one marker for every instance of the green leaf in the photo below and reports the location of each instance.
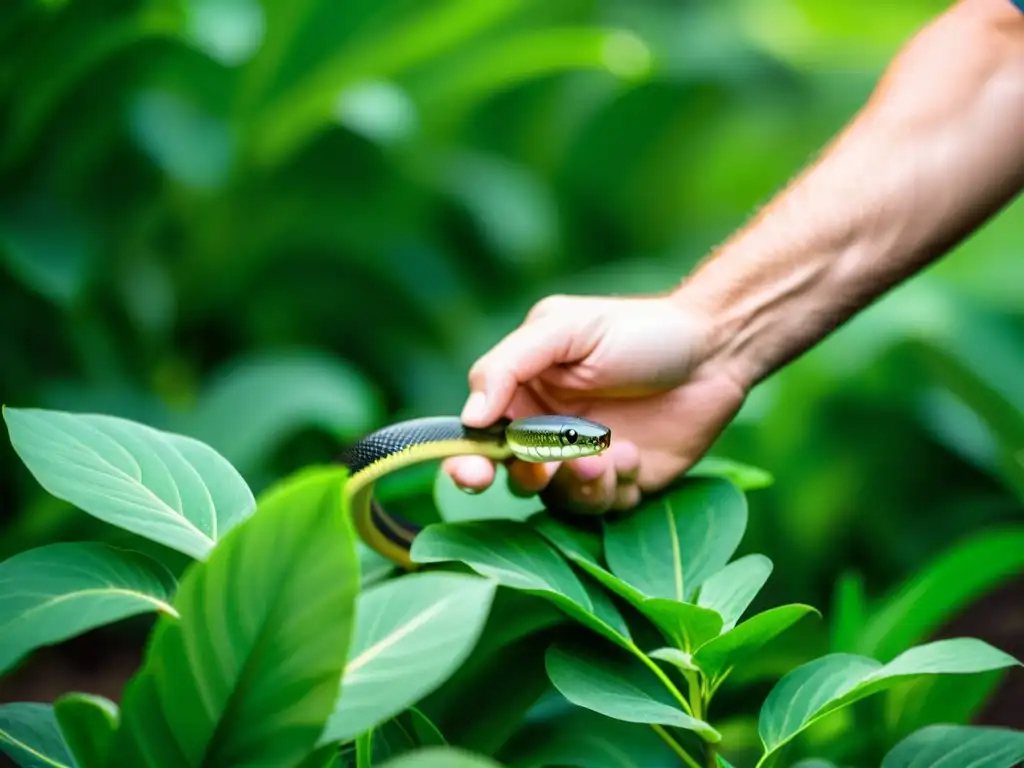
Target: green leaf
(497, 502)
(849, 613)
(572, 541)
(253, 405)
(29, 735)
(687, 625)
(612, 683)
(585, 739)
(915, 609)
(441, 757)
(679, 659)
(731, 590)
(669, 546)
(59, 591)
(813, 690)
(744, 476)
(88, 724)
(740, 643)
(954, 746)
(515, 556)
(411, 634)
(165, 487)
(252, 670)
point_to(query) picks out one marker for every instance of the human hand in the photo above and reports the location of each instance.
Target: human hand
(645, 367)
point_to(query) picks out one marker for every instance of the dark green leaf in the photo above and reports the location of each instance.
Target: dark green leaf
(253, 668)
(59, 591)
(411, 634)
(670, 545)
(515, 556)
(165, 487)
(824, 685)
(29, 735)
(738, 644)
(612, 683)
(88, 724)
(955, 746)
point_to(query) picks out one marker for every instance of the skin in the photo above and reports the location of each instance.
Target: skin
(935, 152)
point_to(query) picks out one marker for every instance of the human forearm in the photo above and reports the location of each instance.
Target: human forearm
(938, 149)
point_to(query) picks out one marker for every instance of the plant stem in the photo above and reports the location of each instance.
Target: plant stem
(664, 679)
(695, 696)
(675, 746)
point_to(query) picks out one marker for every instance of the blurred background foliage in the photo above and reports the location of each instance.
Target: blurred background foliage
(276, 225)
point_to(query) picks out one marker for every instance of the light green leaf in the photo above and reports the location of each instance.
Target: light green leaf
(824, 685)
(679, 659)
(251, 406)
(940, 591)
(229, 31)
(59, 591)
(723, 763)
(731, 590)
(88, 724)
(253, 668)
(165, 487)
(515, 556)
(411, 634)
(574, 542)
(955, 746)
(441, 757)
(849, 613)
(688, 626)
(670, 545)
(814, 762)
(745, 476)
(497, 502)
(739, 643)
(29, 735)
(612, 683)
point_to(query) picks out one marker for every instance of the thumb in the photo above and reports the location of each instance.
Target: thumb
(521, 356)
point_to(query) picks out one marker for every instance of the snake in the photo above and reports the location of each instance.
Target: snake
(535, 439)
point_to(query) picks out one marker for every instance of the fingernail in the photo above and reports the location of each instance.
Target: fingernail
(474, 408)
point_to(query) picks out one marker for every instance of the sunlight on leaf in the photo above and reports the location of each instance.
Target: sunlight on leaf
(62, 590)
(253, 668)
(441, 757)
(165, 487)
(229, 31)
(411, 634)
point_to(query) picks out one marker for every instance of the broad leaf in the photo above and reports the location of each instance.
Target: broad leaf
(496, 502)
(252, 670)
(585, 739)
(687, 625)
(612, 683)
(58, 591)
(679, 659)
(819, 687)
(940, 591)
(515, 556)
(166, 487)
(955, 746)
(441, 757)
(670, 545)
(731, 590)
(88, 724)
(739, 643)
(575, 543)
(411, 634)
(29, 735)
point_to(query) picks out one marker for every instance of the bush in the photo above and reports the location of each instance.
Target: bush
(526, 640)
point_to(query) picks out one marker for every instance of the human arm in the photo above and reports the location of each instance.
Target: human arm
(937, 150)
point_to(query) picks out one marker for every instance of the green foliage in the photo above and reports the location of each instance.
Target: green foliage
(267, 646)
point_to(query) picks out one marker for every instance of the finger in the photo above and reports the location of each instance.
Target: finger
(593, 496)
(527, 478)
(471, 473)
(519, 357)
(627, 496)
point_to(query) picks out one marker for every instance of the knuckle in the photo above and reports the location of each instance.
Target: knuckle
(548, 305)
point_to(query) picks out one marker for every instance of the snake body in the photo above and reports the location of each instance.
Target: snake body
(394, 447)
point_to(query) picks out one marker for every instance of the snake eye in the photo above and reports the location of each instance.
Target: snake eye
(571, 436)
